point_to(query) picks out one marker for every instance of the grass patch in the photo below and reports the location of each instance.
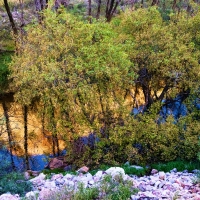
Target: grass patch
(85, 193)
(54, 171)
(179, 165)
(133, 171)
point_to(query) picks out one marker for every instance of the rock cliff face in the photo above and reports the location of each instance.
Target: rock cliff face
(39, 141)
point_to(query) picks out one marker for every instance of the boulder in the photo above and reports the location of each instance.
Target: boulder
(137, 167)
(50, 184)
(173, 170)
(39, 179)
(154, 171)
(56, 176)
(55, 163)
(9, 197)
(83, 169)
(45, 193)
(68, 177)
(32, 195)
(68, 168)
(116, 172)
(26, 176)
(162, 175)
(85, 178)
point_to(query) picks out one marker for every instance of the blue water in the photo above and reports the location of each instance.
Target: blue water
(175, 107)
(37, 162)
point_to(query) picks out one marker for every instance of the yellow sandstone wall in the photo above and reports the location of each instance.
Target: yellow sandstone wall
(38, 143)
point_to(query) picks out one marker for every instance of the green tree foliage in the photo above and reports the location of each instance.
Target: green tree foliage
(80, 73)
(75, 67)
(5, 58)
(164, 54)
(149, 142)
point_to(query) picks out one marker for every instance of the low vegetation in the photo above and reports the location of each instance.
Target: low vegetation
(14, 183)
(179, 165)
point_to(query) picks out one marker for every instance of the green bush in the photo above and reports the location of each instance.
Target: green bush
(15, 184)
(142, 141)
(133, 171)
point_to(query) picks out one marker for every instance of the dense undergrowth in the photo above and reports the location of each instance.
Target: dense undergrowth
(14, 183)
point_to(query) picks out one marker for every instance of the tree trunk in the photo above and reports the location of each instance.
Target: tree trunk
(43, 125)
(55, 141)
(42, 5)
(142, 3)
(154, 2)
(26, 137)
(22, 13)
(12, 22)
(174, 5)
(98, 9)
(111, 7)
(9, 132)
(39, 6)
(90, 10)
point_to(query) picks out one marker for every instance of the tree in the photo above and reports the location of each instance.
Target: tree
(25, 113)
(12, 22)
(40, 5)
(77, 70)
(90, 10)
(5, 58)
(98, 9)
(81, 73)
(164, 54)
(111, 6)
(9, 132)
